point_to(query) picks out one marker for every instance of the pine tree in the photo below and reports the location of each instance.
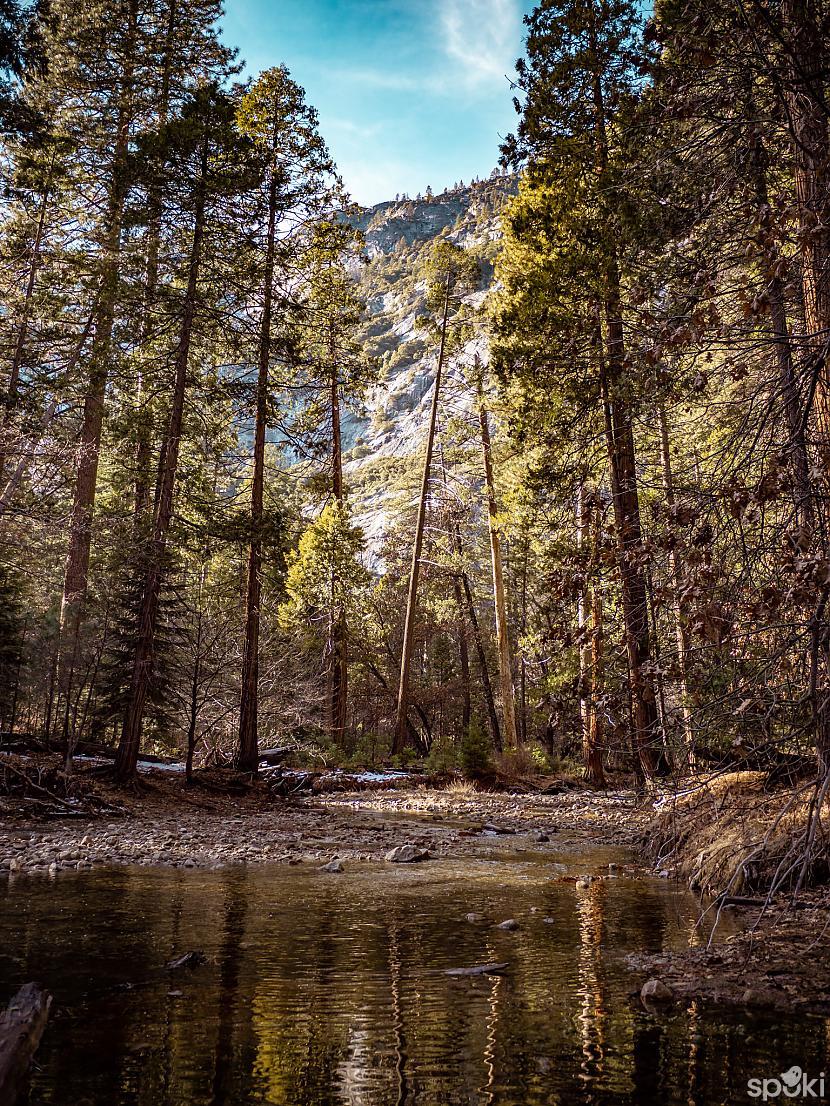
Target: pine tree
(296, 179)
(584, 62)
(207, 152)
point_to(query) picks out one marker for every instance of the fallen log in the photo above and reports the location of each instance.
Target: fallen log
(274, 756)
(479, 969)
(21, 1027)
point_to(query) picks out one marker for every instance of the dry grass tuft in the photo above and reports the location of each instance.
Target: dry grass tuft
(461, 788)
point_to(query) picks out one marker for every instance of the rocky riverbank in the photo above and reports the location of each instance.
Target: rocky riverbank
(168, 826)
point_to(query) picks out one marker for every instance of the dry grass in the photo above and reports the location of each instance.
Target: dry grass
(727, 834)
(460, 788)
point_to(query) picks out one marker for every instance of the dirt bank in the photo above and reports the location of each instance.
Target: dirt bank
(761, 854)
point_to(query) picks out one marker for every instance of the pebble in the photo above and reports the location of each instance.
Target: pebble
(509, 924)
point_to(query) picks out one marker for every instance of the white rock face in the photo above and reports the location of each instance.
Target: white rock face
(392, 427)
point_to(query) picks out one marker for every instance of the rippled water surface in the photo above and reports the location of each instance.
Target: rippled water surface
(322, 988)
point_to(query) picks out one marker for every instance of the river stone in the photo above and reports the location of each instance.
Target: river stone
(473, 917)
(406, 854)
(655, 990)
(752, 997)
(333, 866)
(509, 924)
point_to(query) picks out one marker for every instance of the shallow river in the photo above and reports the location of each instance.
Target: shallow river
(324, 988)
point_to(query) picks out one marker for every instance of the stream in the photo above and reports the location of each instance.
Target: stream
(323, 988)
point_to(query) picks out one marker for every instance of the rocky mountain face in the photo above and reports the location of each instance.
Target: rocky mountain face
(383, 439)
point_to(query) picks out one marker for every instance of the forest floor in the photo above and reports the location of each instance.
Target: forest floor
(778, 957)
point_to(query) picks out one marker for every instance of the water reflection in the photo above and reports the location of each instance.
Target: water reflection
(324, 989)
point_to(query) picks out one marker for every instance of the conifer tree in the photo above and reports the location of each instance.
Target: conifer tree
(296, 181)
(584, 62)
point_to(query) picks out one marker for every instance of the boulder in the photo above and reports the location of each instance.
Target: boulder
(655, 990)
(406, 854)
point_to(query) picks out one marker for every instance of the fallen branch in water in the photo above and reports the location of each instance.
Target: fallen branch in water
(21, 1028)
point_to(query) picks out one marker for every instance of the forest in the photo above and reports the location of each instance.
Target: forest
(522, 484)
(182, 567)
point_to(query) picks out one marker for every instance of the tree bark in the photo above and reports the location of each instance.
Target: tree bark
(596, 731)
(247, 758)
(624, 487)
(486, 683)
(154, 206)
(399, 739)
(23, 327)
(508, 698)
(798, 458)
(620, 442)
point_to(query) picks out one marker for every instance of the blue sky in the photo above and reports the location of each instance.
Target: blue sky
(410, 92)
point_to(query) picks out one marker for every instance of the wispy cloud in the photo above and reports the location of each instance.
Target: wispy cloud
(377, 78)
(481, 37)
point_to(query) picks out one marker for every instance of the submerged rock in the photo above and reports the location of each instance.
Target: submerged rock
(508, 924)
(333, 866)
(655, 990)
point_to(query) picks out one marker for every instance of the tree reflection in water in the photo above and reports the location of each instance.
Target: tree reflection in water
(319, 991)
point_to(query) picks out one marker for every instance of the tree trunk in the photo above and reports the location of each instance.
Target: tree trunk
(130, 744)
(23, 328)
(486, 683)
(596, 732)
(806, 104)
(681, 635)
(247, 758)
(193, 706)
(29, 450)
(154, 209)
(338, 628)
(464, 658)
(508, 699)
(799, 461)
(399, 738)
(589, 623)
(620, 441)
(89, 445)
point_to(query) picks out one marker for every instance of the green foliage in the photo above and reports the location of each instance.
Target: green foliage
(443, 756)
(475, 751)
(325, 575)
(12, 639)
